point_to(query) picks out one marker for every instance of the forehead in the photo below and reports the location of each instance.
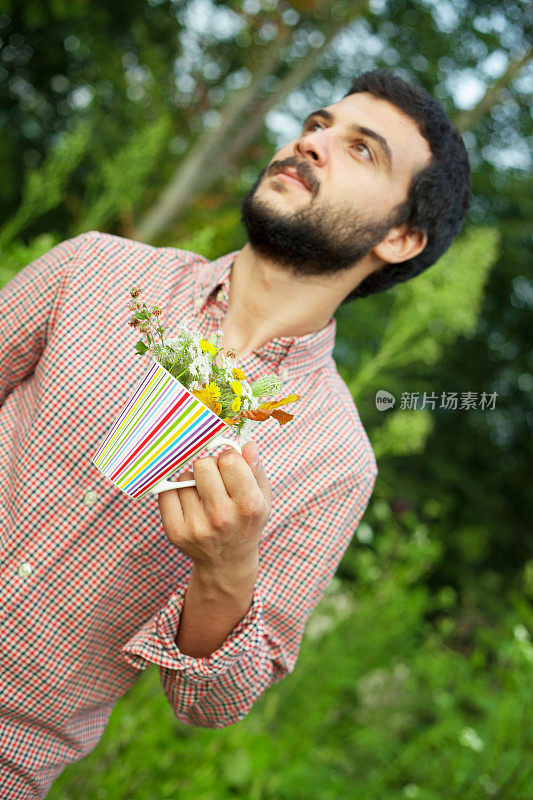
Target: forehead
(410, 150)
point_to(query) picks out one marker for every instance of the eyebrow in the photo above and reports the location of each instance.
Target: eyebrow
(353, 128)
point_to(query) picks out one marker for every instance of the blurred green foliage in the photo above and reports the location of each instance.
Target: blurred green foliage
(382, 703)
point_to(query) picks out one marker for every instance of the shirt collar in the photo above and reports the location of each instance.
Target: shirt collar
(299, 354)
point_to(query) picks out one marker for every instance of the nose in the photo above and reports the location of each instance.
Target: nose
(313, 145)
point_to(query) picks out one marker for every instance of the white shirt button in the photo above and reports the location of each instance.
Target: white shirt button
(24, 570)
(221, 295)
(90, 498)
(284, 373)
(198, 302)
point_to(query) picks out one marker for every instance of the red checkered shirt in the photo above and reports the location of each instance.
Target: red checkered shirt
(92, 589)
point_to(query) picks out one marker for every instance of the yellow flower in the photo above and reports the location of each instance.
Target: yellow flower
(237, 388)
(236, 404)
(207, 347)
(206, 396)
(238, 373)
(209, 395)
(214, 390)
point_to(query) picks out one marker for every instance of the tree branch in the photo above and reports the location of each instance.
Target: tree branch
(468, 119)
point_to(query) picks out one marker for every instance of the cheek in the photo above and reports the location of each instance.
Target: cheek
(367, 193)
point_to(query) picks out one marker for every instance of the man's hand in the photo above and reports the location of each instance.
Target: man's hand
(219, 522)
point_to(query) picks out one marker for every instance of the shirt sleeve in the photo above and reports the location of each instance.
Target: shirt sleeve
(297, 562)
(28, 304)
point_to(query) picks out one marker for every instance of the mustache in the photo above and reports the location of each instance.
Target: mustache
(302, 169)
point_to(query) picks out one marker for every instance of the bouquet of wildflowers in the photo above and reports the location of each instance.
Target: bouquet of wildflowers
(208, 372)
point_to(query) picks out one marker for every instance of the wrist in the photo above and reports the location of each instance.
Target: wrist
(216, 582)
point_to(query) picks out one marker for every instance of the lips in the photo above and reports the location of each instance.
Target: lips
(291, 173)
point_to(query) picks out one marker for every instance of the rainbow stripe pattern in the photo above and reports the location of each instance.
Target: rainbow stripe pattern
(162, 427)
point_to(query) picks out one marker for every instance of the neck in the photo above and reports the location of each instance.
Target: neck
(266, 301)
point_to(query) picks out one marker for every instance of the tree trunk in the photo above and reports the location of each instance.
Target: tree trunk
(296, 77)
(216, 150)
(225, 154)
(184, 182)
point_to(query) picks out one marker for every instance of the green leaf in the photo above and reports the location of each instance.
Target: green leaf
(141, 348)
(140, 315)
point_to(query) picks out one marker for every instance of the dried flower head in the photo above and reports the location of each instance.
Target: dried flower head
(157, 311)
(135, 291)
(134, 322)
(145, 328)
(231, 353)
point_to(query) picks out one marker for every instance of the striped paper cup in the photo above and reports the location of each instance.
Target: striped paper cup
(162, 427)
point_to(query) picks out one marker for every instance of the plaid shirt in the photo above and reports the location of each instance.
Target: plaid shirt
(91, 587)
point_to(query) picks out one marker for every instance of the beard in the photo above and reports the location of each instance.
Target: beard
(312, 240)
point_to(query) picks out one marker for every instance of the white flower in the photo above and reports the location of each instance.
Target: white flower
(488, 784)
(245, 433)
(318, 625)
(246, 391)
(174, 343)
(204, 368)
(521, 633)
(469, 738)
(225, 365)
(365, 534)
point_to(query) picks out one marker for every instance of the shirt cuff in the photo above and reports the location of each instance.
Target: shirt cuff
(155, 641)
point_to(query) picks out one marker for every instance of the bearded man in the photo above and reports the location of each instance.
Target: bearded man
(214, 583)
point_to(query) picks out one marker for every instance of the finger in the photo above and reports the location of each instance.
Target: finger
(188, 497)
(249, 451)
(238, 477)
(209, 483)
(171, 510)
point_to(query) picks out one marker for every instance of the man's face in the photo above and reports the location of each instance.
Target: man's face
(356, 179)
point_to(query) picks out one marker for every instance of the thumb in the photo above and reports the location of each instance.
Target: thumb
(250, 452)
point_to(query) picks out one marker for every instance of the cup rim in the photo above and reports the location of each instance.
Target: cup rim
(159, 364)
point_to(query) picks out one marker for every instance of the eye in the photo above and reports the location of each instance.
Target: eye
(310, 125)
(369, 152)
(313, 122)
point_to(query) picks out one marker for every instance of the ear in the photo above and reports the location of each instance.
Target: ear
(401, 244)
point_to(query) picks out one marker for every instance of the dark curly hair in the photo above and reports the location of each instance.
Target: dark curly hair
(439, 195)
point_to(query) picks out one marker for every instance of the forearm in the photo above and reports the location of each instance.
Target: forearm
(213, 605)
